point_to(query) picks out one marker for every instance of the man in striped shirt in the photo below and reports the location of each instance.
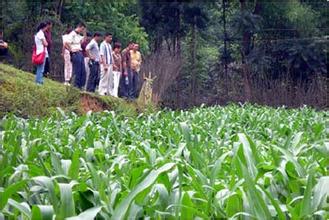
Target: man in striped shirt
(106, 83)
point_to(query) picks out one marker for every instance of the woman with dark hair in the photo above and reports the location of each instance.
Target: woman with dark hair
(67, 57)
(41, 46)
(117, 67)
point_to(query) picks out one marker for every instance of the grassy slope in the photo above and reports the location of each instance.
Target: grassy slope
(21, 96)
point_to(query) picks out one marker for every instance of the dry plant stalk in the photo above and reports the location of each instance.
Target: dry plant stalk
(146, 94)
(166, 67)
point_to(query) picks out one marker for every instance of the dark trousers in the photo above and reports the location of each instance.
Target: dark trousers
(47, 67)
(3, 54)
(129, 91)
(133, 93)
(93, 79)
(79, 71)
(123, 87)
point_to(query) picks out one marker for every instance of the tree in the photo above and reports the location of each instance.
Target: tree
(249, 23)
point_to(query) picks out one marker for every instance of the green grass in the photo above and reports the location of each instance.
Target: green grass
(22, 97)
(208, 163)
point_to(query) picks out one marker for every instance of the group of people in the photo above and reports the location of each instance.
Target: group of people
(90, 61)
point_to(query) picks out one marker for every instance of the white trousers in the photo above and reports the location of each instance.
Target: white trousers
(87, 70)
(106, 81)
(116, 81)
(67, 66)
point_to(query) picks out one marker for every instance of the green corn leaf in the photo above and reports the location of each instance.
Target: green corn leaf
(233, 205)
(275, 203)
(321, 193)
(75, 165)
(248, 155)
(256, 202)
(135, 211)
(216, 168)
(48, 184)
(66, 164)
(290, 157)
(296, 140)
(57, 165)
(22, 207)
(163, 194)
(187, 204)
(9, 191)
(323, 149)
(67, 207)
(306, 209)
(89, 214)
(122, 208)
(42, 212)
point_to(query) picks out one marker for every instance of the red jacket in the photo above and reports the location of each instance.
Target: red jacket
(49, 40)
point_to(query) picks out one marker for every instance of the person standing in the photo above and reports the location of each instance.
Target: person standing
(50, 43)
(67, 58)
(117, 67)
(92, 51)
(3, 47)
(126, 72)
(73, 44)
(84, 44)
(106, 79)
(136, 62)
(41, 47)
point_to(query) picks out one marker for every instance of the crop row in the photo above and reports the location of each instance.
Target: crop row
(208, 163)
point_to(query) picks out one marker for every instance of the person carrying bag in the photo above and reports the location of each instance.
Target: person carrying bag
(38, 59)
(40, 52)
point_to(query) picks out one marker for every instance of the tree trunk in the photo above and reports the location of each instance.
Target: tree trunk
(246, 48)
(225, 50)
(193, 66)
(178, 36)
(60, 8)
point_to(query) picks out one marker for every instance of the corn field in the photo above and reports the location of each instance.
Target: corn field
(234, 162)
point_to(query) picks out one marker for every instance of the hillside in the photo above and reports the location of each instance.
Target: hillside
(22, 97)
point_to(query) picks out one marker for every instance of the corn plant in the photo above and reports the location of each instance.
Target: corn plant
(234, 162)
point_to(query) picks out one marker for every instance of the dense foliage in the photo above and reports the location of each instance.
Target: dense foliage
(210, 163)
(265, 41)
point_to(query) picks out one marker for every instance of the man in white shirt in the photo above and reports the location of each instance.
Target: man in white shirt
(106, 83)
(73, 44)
(92, 51)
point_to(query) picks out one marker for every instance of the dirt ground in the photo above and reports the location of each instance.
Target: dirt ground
(89, 103)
